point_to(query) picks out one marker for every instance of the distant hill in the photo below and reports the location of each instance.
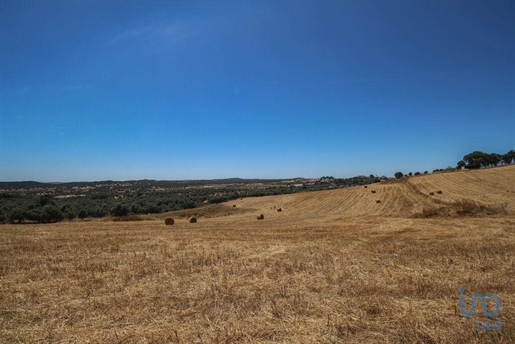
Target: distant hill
(34, 184)
(398, 198)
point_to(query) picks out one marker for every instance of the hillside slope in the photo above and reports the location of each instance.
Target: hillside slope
(400, 198)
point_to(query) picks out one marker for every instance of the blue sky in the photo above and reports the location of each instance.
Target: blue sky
(119, 90)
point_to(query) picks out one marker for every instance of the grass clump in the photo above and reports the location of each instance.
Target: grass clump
(128, 218)
(462, 208)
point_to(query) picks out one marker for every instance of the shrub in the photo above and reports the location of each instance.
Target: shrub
(18, 215)
(45, 200)
(467, 207)
(83, 214)
(128, 218)
(99, 212)
(70, 214)
(99, 195)
(152, 209)
(50, 214)
(120, 210)
(461, 208)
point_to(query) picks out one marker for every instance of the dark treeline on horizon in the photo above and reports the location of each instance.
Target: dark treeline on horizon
(35, 202)
(29, 202)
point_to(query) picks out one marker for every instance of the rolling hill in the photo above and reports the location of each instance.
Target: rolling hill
(399, 198)
(332, 267)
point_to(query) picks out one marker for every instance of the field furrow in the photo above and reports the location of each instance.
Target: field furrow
(400, 198)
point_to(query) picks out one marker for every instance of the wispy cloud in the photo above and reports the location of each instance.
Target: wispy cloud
(160, 34)
(132, 34)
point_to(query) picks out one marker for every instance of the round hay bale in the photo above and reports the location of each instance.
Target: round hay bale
(279, 209)
(234, 205)
(366, 186)
(169, 221)
(378, 201)
(193, 220)
(373, 191)
(431, 193)
(261, 217)
(439, 192)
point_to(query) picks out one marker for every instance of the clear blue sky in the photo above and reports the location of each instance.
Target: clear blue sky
(96, 90)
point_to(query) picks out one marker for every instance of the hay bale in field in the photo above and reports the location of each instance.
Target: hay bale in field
(366, 186)
(279, 209)
(193, 220)
(431, 193)
(439, 192)
(234, 205)
(378, 201)
(169, 221)
(373, 191)
(261, 217)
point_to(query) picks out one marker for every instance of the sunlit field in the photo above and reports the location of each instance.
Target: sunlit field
(332, 267)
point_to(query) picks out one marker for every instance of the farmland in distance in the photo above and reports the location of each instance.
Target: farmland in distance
(333, 266)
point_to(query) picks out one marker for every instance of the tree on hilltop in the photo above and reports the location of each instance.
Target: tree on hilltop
(508, 157)
(481, 159)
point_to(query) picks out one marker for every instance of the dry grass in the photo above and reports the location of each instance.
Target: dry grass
(392, 280)
(212, 210)
(464, 207)
(315, 278)
(128, 218)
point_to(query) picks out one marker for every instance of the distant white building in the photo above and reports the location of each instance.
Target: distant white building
(326, 180)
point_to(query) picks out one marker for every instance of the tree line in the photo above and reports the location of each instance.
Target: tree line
(478, 159)
(22, 202)
(474, 160)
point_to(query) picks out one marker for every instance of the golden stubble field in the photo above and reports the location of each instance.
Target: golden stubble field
(332, 267)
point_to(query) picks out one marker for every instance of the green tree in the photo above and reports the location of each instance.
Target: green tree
(476, 158)
(398, 175)
(120, 210)
(70, 214)
(18, 215)
(34, 214)
(508, 157)
(99, 195)
(45, 199)
(51, 213)
(493, 159)
(83, 214)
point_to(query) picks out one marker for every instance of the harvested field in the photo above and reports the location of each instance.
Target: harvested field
(332, 267)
